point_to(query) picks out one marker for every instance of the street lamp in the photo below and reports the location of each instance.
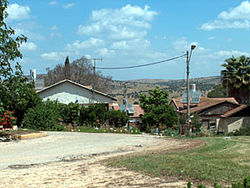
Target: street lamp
(188, 97)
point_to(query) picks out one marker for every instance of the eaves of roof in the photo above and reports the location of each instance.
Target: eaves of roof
(77, 84)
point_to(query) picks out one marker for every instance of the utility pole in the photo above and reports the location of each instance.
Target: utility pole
(94, 80)
(188, 97)
(188, 100)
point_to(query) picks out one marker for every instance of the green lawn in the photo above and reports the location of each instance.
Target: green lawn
(219, 160)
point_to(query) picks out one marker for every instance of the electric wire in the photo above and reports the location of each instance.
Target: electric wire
(143, 65)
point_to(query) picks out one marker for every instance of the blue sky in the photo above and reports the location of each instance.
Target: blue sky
(127, 33)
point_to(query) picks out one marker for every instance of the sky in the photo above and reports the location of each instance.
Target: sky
(132, 32)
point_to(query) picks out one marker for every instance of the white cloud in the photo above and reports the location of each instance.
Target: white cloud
(211, 38)
(180, 45)
(230, 53)
(55, 56)
(28, 33)
(235, 18)
(67, 6)
(28, 46)
(240, 12)
(120, 45)
(221, 24)
(55, 34)
(52, 3)
(105, 52)
(17, 12)
(90, 43)
(54, 27)
(127, 22)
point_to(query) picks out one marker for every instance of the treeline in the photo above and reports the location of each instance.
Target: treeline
(80, 71)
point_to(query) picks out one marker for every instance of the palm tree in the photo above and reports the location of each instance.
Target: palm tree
(236, 78)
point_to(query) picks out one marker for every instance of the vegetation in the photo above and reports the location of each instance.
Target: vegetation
(80, 71)
(117, 118)
(121, 130)
(243, 184)
(156, 108)
(93, 114)
(236, 78)
(9, 44)
(219, 160)
(18, 95)
(244, 131)
(7, 119)
(43, 117)
(218, 91)
(52, 115)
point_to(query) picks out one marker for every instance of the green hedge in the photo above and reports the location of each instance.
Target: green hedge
(43, 117)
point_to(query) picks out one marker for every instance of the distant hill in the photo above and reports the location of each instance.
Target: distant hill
(174, 87)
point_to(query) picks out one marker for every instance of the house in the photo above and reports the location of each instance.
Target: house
(134, 111)
(67, 91)
(223, 114)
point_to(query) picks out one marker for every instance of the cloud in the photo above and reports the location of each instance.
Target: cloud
(17, 12)
(55, 56)
(219, 24)
(25, 29)
(105, 52)
(230, 53)
(235, 18)
(127, 22)
(52, 3)
(67, 6)
(240, 12)
(28, 46)
(55, 34)
(53, 28)
(180, 45)
(211, 38)
(87, 44)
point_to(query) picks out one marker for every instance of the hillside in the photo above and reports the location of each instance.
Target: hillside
(174, 87)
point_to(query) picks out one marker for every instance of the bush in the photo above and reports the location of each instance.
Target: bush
(18, 95)
(89, 115)
(7, 119)
(117, 118)
(70, 113)
(43, 117)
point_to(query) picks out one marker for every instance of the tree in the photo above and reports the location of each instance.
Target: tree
(18, 95)
(236, 78)
(9, 44)
(218, 91)
(80, 71)
(157, 109)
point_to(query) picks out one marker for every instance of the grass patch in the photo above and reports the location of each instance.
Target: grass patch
(219, 160)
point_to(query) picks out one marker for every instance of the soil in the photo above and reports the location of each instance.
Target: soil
(91, 171)
(8, 135)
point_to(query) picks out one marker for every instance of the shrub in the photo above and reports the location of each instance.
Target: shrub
(18, 95)
(92, 113)
(70, 113)
(43, 117)
(117, 118)
(7, 119)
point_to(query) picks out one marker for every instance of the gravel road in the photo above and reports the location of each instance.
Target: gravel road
(64, 145)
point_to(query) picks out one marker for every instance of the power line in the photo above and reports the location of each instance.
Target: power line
(142, 65)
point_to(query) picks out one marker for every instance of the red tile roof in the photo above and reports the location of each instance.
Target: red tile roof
(233, 111)
(138, 110)
(203, 104)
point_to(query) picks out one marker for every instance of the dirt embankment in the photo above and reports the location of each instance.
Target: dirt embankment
(90, 172)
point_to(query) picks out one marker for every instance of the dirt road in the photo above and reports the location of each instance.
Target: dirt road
(82, 166)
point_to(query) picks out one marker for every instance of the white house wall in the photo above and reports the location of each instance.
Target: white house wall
(67, 92)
